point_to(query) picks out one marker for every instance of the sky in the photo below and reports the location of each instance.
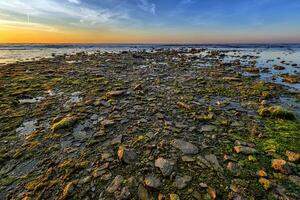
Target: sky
(149, 21)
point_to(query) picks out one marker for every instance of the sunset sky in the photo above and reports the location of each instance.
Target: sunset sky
(149, 21)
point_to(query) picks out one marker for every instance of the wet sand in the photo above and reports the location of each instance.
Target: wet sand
(162, 124)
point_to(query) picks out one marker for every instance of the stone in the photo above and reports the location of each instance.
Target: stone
(212, 193)
(208, 128)
(196, 195)
(182, 181)
(185, 147)
(115, 93)
(280, 165)
(68, 190)
(107, 122)
(245, 150)
(115, 184)
(232, 167)
(174, 197)
(64, 123)
(126, 155)
(212, 159)
(292, 156)
(165, 166)
(262, 173)
(265, 183)
(187, 159)
(116, 140)
(124, 194)
(183, 105)
(143, 193)
(152, 181)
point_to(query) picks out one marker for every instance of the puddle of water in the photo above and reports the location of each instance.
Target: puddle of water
(31, 101)
(27, 127)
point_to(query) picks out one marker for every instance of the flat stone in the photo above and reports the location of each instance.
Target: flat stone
(281, 166)
(165, 166)
(143, 193)
(182, 181)
(208, 128)
(244, 150)
(212, 159)
(185, 147)
(115, 184)
(152, 181)
(116, 140)
(126, 155)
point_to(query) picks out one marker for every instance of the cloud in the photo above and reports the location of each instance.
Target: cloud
(146, 6)
(75, 1)
(59, 11)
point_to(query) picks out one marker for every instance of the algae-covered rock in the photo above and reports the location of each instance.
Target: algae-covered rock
(66, 122)
(265, 183)
(276, 112)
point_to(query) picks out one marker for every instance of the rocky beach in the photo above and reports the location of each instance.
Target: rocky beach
(182, 123)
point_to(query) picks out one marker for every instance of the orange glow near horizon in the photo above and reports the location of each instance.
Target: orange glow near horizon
(21, 35)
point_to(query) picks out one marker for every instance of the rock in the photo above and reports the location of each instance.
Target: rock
(124, 194)
(185, 147)
(231, 79)
(262, 173)
(152, 181)
(187, 159)
(183, 105)
(126, 155)
(174, 197)
(265, 183)
(212, 159)
(212, 193)
(278, 67)
(165, 166)
(292, 156)
(116, 140)
(252, 69)
(66, 122)
(276, 112)
(232, 167)
(182, 181)
(107, 122)
(68, 190)
(291, 79)
(280, 165)
(143, 193)
(116, 93)
(202, 162)
(196, 195)
(115, 184)
(244, 150)
(209, 128)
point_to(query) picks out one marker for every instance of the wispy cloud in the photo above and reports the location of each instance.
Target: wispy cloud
(75, 1)
(74, 13)
(147, 6)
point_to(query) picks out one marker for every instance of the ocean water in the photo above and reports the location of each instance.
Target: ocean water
(267, 55)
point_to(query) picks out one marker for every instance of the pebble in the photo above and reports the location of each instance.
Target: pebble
(182, 181)
(165, 166)
(185, 147)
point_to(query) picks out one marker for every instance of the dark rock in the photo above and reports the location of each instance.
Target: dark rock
(185, 147)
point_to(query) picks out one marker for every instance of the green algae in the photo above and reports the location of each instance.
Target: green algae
(276, 112)
(4, 181)
(64, 123)
(280, 135)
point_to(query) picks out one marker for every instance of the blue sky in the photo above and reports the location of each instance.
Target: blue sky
(159, 20)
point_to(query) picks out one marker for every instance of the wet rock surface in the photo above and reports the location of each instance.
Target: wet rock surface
(157, 124)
